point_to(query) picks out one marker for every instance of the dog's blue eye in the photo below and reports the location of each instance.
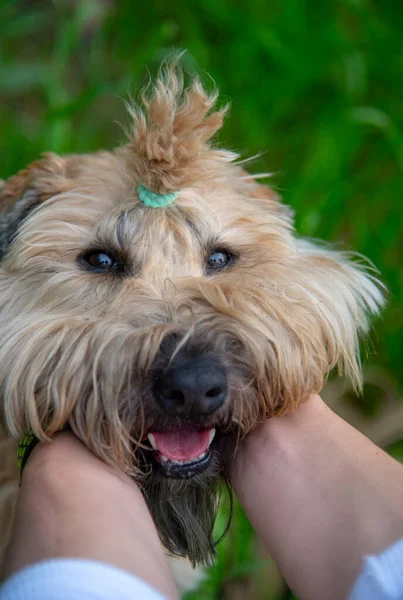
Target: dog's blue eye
(219, 258)
(100, 262)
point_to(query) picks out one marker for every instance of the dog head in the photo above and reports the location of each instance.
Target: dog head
(156, 331)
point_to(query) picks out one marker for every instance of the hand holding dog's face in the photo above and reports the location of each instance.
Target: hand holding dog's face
(153, 332)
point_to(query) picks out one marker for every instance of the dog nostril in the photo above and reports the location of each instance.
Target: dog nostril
(191, 388)
(175, 396)
(214, 392)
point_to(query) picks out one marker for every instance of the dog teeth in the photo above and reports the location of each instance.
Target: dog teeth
(151, 439)
(164, 458)
(211, 435)
(186, 462)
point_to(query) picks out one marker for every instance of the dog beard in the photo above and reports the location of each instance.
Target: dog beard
(185, 510)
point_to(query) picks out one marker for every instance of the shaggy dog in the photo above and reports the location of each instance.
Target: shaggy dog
(156, 300)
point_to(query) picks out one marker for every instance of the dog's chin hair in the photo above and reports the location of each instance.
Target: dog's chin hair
(185, 510)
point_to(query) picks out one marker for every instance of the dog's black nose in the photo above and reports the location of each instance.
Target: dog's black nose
(192, 388)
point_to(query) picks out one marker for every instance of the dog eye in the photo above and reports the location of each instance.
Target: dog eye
(219, 259)
(100, 262)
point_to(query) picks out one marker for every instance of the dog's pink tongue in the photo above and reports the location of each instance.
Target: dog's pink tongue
(183, 444)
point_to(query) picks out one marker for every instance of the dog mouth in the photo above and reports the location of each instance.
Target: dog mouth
(182, 453)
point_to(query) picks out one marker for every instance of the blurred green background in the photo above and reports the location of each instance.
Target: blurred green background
(315, 85)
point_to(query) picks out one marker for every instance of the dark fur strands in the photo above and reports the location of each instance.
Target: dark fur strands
(10, 222)
(185, 511)
(21, 193)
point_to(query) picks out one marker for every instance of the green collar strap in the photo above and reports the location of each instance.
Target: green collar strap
(25, 447)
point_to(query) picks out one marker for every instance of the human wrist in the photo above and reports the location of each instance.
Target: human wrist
(66, 459)
(278, 438)
(74, 505)
(314, 489)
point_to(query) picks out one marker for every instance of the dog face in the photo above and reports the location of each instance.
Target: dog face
(156, 332)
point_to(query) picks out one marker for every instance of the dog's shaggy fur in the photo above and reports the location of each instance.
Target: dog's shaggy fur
(84, 348)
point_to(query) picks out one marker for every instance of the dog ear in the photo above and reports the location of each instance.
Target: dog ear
(264, 192)
(22, 192)
(267, 196)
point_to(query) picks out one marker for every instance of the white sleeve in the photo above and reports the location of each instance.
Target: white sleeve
(381, 577)
(65, 579)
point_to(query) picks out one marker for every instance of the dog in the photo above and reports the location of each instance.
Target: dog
(156, 300)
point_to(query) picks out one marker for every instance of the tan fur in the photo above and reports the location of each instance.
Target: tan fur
(170, 142)
(77, 347)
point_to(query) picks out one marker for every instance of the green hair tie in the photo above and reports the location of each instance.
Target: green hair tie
(154, 200)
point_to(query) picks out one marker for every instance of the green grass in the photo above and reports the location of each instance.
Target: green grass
(317, 86)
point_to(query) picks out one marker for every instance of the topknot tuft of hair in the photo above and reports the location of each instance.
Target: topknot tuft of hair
(170, 143)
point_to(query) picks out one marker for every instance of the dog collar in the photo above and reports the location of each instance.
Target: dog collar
(25, 447)
(154, 200)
